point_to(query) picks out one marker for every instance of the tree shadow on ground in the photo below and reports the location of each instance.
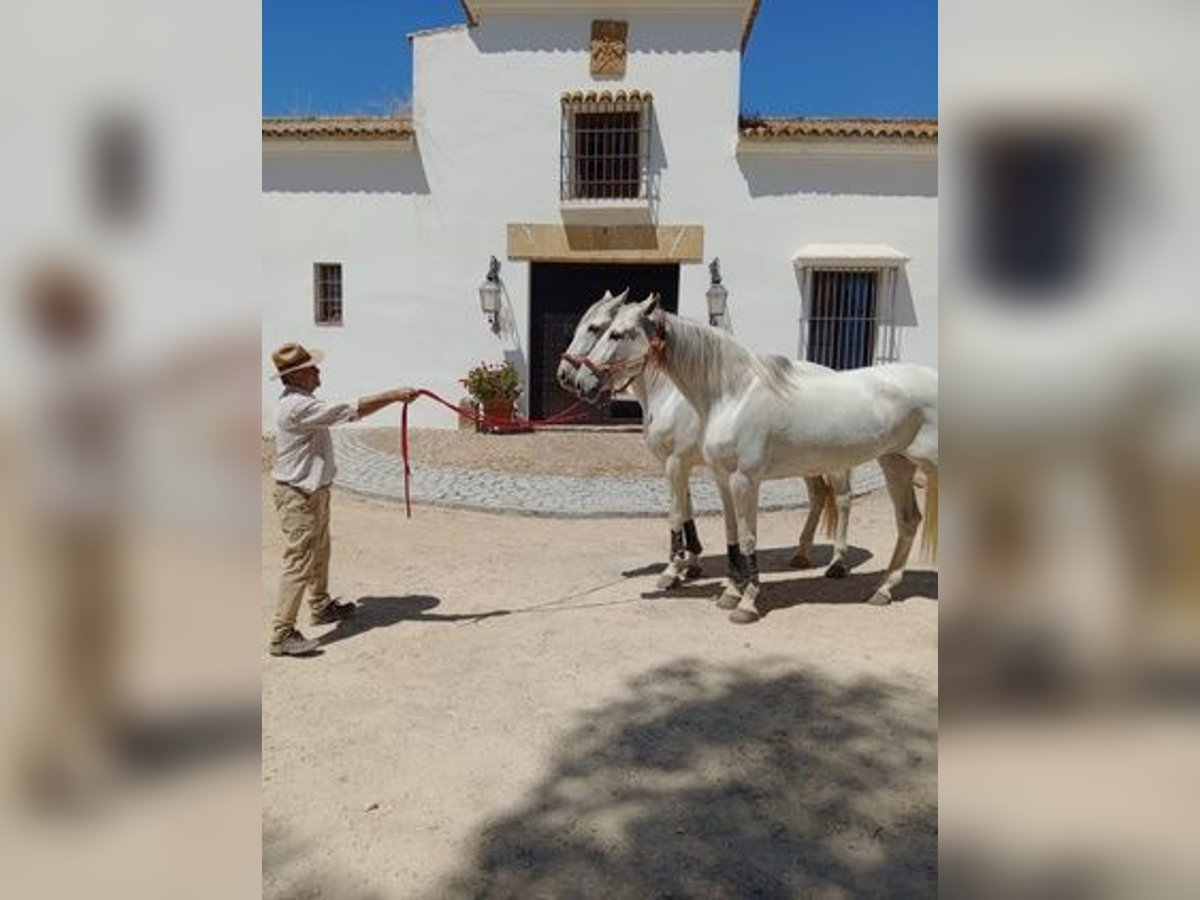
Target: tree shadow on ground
(383, 612)
(723, 782)
(284, 857)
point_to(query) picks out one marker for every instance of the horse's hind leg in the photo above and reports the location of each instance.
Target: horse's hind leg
(839, 484)
(817, 493)
(899, 473)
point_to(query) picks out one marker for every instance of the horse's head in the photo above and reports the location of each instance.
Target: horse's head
(621, 352)
(591, 325)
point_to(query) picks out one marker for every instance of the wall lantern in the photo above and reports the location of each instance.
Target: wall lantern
(716, 295)
(489, 295)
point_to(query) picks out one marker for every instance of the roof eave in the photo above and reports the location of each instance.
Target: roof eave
(333, 128)
(860, 146)
(747, 24)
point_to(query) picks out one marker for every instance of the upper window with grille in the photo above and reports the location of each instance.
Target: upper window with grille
(327, 293)
(605, 151)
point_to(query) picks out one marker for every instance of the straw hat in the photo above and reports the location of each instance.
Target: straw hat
(293, 357)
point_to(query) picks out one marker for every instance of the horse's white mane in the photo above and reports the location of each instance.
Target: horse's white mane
(711, 357)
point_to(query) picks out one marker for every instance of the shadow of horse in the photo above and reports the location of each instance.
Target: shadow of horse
(779, 559)
(778, 595)
(854, 589)
(383, 612)
(776, 559)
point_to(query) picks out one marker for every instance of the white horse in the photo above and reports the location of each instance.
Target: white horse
(763, 418)
(672, 431)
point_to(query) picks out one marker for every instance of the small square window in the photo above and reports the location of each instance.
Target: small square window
(327, 293)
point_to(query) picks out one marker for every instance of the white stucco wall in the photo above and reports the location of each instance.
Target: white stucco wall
(414, 225)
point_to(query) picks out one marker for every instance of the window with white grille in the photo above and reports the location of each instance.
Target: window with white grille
(327, 293)
(849, 319)
(841, 326)
(605, 149)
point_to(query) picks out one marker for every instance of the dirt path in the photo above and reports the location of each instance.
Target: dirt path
(516, 713)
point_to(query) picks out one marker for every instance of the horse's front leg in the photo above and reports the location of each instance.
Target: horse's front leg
(735, 570)
(682, 562)
(744, 491)
(839, 484)
(692, 548)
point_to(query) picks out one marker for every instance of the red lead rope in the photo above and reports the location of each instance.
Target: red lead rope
(407, 469)
(479, 418)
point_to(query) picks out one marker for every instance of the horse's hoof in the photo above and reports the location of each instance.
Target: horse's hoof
(742, 616)
(668, 579)
(879, 598)
(691, 573)
(729, 599)
(800, 561)
(837, 569)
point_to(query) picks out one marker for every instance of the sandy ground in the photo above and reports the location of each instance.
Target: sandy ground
(517, 712)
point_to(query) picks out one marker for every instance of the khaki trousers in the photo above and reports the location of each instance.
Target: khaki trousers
(75, 683)
(305, 522)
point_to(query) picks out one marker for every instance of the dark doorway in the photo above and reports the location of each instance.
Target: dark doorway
(559, 295)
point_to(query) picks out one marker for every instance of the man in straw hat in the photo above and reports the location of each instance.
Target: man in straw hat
(304, 469)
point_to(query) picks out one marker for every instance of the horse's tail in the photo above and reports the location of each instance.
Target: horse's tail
(929, 535)
(829, 514)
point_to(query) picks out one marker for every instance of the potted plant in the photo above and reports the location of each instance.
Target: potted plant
(494, 388)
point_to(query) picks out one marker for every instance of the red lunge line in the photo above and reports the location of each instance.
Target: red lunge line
(407, 470)
(479, 418)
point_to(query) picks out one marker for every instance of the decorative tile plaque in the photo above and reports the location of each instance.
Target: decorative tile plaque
(608, 47)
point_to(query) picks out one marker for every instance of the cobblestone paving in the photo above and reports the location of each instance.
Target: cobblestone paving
(367, 471)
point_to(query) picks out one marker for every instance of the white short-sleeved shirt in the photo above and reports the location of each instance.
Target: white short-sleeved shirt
(303, 447)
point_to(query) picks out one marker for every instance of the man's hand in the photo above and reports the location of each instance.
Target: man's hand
(369, 405)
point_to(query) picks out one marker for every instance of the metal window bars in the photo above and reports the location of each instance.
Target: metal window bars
(848, 317)
(605, 147)
(327, 281)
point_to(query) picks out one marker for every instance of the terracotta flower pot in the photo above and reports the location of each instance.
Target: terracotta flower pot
(497, 413)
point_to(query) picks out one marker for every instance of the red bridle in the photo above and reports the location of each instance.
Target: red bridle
(656, 350)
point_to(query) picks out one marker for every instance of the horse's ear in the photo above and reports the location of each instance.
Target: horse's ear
(649, 304)
(607, 296)
(623, 295)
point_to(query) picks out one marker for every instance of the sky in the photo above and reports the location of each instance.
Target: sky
(805, 57)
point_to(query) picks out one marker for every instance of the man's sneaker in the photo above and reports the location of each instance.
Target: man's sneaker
(333, 612)
(292, 644)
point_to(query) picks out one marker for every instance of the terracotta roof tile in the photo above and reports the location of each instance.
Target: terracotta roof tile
(621, 96)
(339, 128)
(748, 25)
(759, 127)
(752, 127)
